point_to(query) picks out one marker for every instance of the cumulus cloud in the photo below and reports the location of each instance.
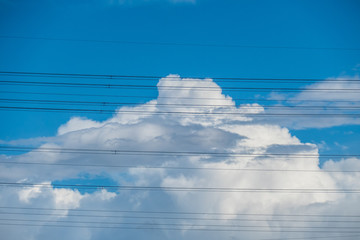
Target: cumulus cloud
(164, 143)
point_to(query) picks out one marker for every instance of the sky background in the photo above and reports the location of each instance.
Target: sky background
(194, 39)
(302, 24)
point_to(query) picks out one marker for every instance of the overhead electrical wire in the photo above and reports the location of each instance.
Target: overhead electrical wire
(183, 189)
(181, 168)
(172, 87)
(183, 213)
(160, 152)
(152, 77)
(187, 218)
(184, 225)
(175, 79)
(174, 105)
(196, 79)
(176, 44)
(147, 112)
(178, 229)
(182, 98)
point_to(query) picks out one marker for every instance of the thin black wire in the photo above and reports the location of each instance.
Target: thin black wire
(149, 113)
(181, 229)
(187, 80)
(176, 44)
(172, 153)
(182, 218)
(182, 189)
(179, 106)
(169, 97)
(225, 226)
(174, 78)
(183, 168)
(171, 87)
(182, 213)
(175, 105)
(137, 153)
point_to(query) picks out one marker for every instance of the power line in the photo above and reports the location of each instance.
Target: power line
(174, 78)
(183, 213)
(182, 98)
(183, 168)
(176, 44)
(192, 79)
(171, 153)
(178, 229)
(171, 87)
(182, 189)
(167, 218)
(147, 112)
(223, 226)
(174, 105)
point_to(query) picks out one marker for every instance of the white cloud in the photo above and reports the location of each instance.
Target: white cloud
(222, 133)
(329, 96)
(27, 194)
(66, 198)
(76, 124)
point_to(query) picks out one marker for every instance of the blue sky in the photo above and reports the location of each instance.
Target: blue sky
(320, 24)
(198, 39)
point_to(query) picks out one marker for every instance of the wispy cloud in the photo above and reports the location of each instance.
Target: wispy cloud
(327, 93)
